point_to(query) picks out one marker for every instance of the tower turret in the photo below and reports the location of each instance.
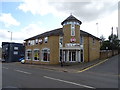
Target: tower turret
(71, 30)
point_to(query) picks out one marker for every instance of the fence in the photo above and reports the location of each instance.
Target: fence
(107, 53)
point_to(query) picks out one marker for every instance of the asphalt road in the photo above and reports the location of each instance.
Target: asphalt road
(104, 75)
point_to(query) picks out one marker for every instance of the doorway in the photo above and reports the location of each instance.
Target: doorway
(72, 55)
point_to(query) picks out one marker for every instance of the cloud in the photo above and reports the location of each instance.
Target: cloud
(8, 20)
(86, 11)
(19, 36)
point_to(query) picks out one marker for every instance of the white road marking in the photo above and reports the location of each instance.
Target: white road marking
(4, 67)
(22, 71)
(69, 82)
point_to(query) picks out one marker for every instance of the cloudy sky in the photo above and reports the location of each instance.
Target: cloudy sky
(27, 18)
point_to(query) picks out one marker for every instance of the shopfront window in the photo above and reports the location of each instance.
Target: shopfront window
(46, 54)
(28, 55)
(36, 54)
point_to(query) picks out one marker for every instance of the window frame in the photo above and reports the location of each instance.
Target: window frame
(38, 55)
(48, 55)
(93, 40)
(46, 40)
(61, 43)
(26, 57)
(72, 29)
(36, 41)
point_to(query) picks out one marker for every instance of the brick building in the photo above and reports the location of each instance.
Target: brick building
(67, 44)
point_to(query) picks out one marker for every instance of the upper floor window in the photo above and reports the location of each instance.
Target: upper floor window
(45, 39)
(36, 41)
(72, 29)
(81, 40)
(93, 41)
(61, 41)
(32, 42)
(15, 48)
(40, 41)
(29, 43)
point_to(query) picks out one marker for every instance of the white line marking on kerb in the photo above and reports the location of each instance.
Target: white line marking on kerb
(69, 82)
(4, 68)
(22, 71)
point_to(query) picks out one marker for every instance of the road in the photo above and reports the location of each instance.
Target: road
(104, 75)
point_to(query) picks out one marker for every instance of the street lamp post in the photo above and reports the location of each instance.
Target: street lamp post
(11, 35)
(97, 30)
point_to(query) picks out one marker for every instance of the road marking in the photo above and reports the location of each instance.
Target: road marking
(69, 82)
(4, 67)
(92, 66)
(22, 71)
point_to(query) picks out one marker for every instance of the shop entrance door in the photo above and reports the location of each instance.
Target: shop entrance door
(72, 56)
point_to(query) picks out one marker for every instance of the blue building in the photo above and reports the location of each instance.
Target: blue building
(12, 52)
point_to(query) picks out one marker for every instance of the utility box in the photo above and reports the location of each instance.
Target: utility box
(12, 52)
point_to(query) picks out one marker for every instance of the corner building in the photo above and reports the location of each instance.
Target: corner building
(68, 44)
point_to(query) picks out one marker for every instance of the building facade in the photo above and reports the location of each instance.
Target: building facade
(12, 52)
(66, 44)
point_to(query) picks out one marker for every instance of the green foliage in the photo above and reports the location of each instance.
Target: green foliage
(112, 44)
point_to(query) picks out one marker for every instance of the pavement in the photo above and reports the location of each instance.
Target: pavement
(72, 68)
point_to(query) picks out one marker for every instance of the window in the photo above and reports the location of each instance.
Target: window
(15, 52)
(46, 54)
(46, 39)
(40, 41)
(36, 54)
(36, 41)
(61, 42)
(93, 41)
(15, 48)
(72, 29)
(32, 42)
(81, 40)
(29, 43)
(28, 55)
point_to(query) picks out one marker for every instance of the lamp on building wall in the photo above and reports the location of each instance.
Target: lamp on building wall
(11, 35)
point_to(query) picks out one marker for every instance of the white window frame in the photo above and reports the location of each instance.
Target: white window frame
(36, 41)
(72, 29)
(40, 41)
(15, 48)
(29, 43)
(38, 56)
(48, 51)
(46, 40)
(26, 57)
(60, 45)
(15, 52)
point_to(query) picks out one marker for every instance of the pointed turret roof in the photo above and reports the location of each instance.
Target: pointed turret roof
(71, 18)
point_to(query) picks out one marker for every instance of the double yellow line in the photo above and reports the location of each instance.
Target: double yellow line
(92, 66)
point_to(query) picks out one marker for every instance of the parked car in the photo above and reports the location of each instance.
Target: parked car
(22, 60)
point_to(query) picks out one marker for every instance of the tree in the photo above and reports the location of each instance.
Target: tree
(102, 38)
(111, 44)
(114, 42)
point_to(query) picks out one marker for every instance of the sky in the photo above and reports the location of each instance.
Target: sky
(27, 18)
